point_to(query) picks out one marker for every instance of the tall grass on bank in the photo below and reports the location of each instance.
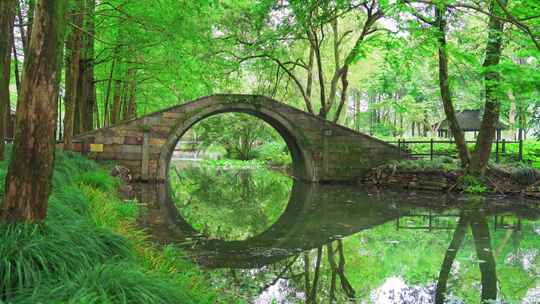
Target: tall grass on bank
(89, 250)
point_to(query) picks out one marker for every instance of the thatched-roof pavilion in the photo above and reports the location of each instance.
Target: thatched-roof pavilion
(469, 121)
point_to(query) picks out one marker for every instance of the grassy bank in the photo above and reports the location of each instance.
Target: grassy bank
(89, 250)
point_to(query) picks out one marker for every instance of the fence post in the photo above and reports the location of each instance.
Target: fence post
(497, 150)
(431, 149)
(504, 146)
(399, 146)
(520, 153)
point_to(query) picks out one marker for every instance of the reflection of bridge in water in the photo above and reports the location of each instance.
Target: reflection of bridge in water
(316, 215)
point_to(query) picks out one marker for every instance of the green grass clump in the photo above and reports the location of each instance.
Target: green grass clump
(441, 163)
(108, 283)
(99, 179)
(472, 185)
(32, 254)
(232, 163)
(89, 249)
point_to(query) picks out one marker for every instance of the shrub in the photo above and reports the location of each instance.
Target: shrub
(472, 185)
(274, 153)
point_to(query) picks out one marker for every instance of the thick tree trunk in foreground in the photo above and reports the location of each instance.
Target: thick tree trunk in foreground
(446, 95)
(7, 15)
(29, 177)
(492, 80)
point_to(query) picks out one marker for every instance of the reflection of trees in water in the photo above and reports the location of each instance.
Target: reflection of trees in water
(230, 204)
(314, 276)
(321, 275)
(339, 270)
(484, 253)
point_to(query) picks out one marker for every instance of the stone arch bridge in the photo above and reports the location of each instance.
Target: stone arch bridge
(321, 150)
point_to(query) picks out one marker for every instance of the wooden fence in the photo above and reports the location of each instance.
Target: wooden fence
(500, 148)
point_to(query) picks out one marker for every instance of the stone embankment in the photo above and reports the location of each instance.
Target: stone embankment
(520, 182)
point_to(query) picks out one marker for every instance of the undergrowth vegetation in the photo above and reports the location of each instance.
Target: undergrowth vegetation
(274, 153)
(472, 184)
(440, 163)
(508, 155)
(89, 249)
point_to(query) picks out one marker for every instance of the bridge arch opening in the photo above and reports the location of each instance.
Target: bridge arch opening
(301, 162)
(231, 200)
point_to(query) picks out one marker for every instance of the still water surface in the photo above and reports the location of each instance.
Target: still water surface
(270, 239)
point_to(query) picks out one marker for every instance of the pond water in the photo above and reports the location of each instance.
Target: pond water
(266, 238)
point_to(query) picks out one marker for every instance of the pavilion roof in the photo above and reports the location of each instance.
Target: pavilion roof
(470, 120)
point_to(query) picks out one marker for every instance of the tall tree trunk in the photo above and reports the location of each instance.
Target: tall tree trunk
(512, 112)
(343, 97)
(77, 110)
(108, 93)
(132, 101)
(315, 45)
(28, 181)
(30, 21)
(7, 15)
(320, 73)
(88, 88)
(492, 80)
(337, 66)
(96, 115)
(115, 112)
(72, 74)
(446, 95)
(309, 80)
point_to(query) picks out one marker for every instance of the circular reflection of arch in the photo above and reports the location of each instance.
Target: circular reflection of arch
(312, 218)
(230, 204)
(302, 163)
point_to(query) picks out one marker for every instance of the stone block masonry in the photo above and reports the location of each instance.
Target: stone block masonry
(321, 150)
